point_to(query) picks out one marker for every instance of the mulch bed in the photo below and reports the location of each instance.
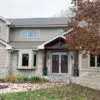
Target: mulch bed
(3, 86)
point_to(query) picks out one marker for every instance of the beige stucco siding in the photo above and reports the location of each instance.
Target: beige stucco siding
(4, 31)
(3, 61)
(45, 34)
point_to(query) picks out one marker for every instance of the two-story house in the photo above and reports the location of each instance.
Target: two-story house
(38, 47)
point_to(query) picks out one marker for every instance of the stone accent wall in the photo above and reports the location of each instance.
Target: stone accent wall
(89, 76)
(90, 79)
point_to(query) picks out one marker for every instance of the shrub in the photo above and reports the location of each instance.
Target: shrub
(19, 79)
(44, 80)
(10, 78)
(25, 79)
(22, 79)
(35, 79)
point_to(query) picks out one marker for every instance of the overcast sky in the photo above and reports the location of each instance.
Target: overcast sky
(32, 8)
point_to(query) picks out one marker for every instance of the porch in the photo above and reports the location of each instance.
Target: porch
(59, 63)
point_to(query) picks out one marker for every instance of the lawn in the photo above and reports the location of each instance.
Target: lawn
(66, 92)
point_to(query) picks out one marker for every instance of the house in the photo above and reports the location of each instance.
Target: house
(38, 47)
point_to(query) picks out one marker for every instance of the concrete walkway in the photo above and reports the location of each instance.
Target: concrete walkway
(16, 87)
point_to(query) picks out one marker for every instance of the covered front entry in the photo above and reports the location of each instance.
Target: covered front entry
(59, 63)
(57, 60)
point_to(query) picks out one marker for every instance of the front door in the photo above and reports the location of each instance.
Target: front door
(59, 63)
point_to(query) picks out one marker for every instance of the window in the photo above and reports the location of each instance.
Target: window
(24, 34)
(34, 60)
(31, 34)
(25, 59)
(94, 61)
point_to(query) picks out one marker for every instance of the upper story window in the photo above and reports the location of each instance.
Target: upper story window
(94, 61)
(31, 34)
(60, 31)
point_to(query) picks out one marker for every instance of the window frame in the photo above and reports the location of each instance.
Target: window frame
(35, 31)
(95, 62)
(31, 55)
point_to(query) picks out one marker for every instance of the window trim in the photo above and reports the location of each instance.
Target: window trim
(31, 54)
(27, 37)
(95, 62)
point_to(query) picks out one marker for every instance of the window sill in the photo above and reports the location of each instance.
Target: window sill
(26, 68)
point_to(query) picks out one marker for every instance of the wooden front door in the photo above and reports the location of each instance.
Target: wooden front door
(60, 63)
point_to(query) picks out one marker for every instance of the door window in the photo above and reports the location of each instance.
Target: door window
(60, 63)
(55, 64)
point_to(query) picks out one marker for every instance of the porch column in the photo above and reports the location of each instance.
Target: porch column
(44, 67)
(80, 61)
(9, 67)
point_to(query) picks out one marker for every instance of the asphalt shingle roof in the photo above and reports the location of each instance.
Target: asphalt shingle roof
(26, 44)
(39, 21)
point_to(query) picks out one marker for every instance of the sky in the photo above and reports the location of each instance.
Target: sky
(32, 8)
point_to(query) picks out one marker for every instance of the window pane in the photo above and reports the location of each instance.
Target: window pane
(36, 33)
(55, 63)
(98, 61)
(24, 35)
(30, 34)
(92, 61)
(64, 64)
(25, 59)
(34, 60)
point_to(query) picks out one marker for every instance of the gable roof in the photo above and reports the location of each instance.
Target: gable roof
(39, 22)
(7, 45)
(6, 21)
(59, 36)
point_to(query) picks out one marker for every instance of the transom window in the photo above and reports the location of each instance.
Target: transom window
(31, 34)
(94, 61)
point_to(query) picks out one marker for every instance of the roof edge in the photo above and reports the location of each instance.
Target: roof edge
(62, 36)
(5, 20)
(7, 45)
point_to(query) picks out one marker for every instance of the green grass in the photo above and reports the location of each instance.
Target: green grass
(66, 92)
